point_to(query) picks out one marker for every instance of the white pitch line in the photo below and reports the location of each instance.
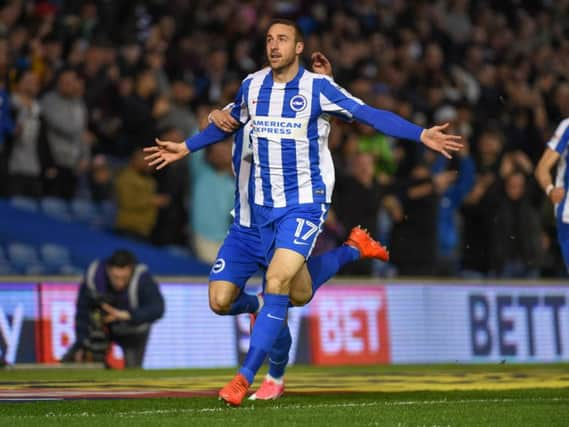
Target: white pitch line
(131, 414)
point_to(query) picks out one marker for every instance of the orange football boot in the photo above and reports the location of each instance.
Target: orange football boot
(235, 390)
(366, 245)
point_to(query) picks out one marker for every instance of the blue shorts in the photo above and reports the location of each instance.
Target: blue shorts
(563, 238)
(240, 256)
(295, 227)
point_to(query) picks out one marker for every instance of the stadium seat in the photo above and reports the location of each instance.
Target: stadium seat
(24, 203)
(54, 257)
(178, 250)
(84, 210)
(35, 269)
(22, 255)
(56, 208)
(6, 268)
(70, 270)
(108, 211)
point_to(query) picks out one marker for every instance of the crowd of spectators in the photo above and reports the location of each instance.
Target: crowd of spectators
(85, 84)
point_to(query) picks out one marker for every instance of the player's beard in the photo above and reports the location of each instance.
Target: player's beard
(285, 63)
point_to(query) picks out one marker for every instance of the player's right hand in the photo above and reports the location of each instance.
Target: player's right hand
(164, 153)
(557, 195)
(224, 120)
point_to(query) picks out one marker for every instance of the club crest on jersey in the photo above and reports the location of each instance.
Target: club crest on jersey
(298, 103)
(218, 266)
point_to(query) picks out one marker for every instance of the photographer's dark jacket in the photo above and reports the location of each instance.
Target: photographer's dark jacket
(141, 298)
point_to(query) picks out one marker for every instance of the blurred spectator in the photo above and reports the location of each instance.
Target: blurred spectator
(65, 118)
(137, 199)
(137, 112)
(154, 60)
(479, 206)
(414, 236)
(25, 158)
(101, 179)
(380, 147)
(177, 113)
(210, 83)
(212, 198)
(6, 122)
(118, 301)
(173, 181)
(359, 188)
(453, 180)
(516, 246)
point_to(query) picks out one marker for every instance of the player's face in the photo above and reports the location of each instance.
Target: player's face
(282, 47)
(119, 276)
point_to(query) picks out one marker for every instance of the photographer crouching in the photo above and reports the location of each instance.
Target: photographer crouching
(118, 301)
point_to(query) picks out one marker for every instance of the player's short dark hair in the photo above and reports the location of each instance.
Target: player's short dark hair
(298, 33)
(121, 258)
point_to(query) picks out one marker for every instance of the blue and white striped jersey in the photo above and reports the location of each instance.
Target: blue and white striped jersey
(292, 163)
(242, 157)
(560, 142)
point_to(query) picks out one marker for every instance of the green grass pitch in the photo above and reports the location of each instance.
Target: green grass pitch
(457, 395)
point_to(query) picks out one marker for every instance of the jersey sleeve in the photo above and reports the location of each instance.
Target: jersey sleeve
(240, 109)
(338, 101)
(560, 138)
(210, 135)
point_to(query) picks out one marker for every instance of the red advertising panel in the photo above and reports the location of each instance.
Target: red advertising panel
(349, 326)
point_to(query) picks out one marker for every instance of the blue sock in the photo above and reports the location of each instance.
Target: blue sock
(278, 356)
(323, 267)
(265, 332)
(245, 303)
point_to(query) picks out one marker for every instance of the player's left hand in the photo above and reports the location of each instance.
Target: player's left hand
(114, 314)
(321, 64)
(437, 140)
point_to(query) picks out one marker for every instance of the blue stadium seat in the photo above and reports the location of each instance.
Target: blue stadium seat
(70, 270)
(24, 203)
(84, 210)
(54, 256)
(6, 269)
(56, 208)
(22, 255)
(35, 269)
(178, 250)
(109, 212)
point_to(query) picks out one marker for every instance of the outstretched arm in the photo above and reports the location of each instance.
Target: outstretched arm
(336, 100)
(166, 152)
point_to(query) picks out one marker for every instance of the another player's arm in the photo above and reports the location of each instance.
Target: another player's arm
(337, 101)
(321, 64)
(543, 175)
(223, 119)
